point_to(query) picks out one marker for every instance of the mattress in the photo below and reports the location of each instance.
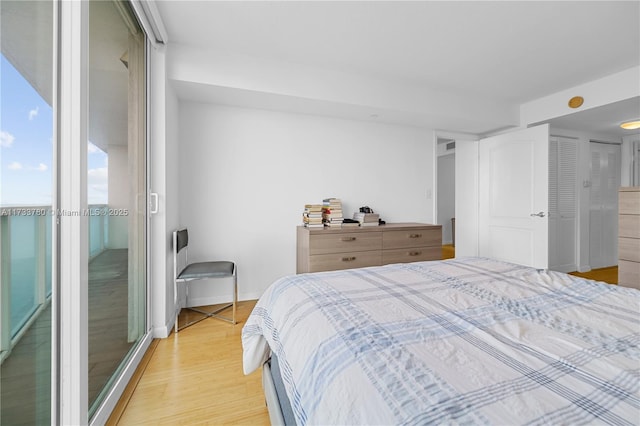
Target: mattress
(472, 340)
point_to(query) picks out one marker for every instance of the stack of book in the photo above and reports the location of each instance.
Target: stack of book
(332, 212)
(367, 219)
(312, 216)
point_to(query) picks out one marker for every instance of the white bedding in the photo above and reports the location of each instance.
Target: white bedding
(464, 341)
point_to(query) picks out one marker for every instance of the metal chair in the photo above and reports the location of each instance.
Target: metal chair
(199, 271)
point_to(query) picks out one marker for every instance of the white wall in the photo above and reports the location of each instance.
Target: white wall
(466, 203)
(245, 175)
(164, 175)
(172, 195)
(274, 84)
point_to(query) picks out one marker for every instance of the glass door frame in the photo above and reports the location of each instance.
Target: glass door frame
(128, 368)
(69, 398)
(70, 310)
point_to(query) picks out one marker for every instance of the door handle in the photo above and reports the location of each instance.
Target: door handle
(540, 214)
(153, 201)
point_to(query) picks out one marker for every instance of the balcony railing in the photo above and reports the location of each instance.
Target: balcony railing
(25, 264)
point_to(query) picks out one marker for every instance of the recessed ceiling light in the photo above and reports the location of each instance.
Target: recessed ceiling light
(576, 102)
(631, 125)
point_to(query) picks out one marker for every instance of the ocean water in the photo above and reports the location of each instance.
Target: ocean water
(30, 251)
(28, 234)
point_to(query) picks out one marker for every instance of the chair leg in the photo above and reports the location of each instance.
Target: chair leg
(206, 315)
(214, 314)
(235, 295)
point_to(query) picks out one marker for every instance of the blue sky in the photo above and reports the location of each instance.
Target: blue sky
(26, 147)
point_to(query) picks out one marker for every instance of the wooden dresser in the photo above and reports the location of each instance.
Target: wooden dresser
(629, 237)
(343, 248)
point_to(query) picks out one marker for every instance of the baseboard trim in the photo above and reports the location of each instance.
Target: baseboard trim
(584, 268)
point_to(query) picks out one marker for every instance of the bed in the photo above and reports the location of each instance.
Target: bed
(461, 341)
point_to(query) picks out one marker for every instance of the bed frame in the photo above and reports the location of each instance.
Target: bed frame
(280, 412)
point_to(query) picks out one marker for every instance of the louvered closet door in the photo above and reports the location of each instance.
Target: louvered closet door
(603, 210)
(562, 203)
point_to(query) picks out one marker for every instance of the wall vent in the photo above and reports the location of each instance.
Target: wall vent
(451, 145)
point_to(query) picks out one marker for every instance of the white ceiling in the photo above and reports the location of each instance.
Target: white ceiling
(504, 51)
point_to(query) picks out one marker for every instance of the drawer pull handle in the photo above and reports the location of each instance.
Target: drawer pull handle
(348, 238)
(349, 259)
(415, 235)
(415, 253)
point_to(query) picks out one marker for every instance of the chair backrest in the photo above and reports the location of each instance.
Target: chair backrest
(182, 239)
(180, 243)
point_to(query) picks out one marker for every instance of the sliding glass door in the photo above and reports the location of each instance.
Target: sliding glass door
(26, 181)
(115, 192)
(72, 120)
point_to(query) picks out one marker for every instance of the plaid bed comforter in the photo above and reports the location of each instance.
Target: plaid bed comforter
(464, 341)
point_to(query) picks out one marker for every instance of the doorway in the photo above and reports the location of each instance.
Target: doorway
(446, 193)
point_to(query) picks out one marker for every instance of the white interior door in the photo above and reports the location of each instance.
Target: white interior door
(514, 197)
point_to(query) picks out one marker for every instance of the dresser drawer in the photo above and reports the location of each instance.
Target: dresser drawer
(425, 237)
(629, 274)
(347, 260)
(629, 225)
(343, 248)
(417, 254)
(629, 249)
(344, 242)
(629, 202)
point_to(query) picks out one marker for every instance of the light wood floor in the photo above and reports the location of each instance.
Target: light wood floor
(608, 275)
(448, 251)
(195, 377)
